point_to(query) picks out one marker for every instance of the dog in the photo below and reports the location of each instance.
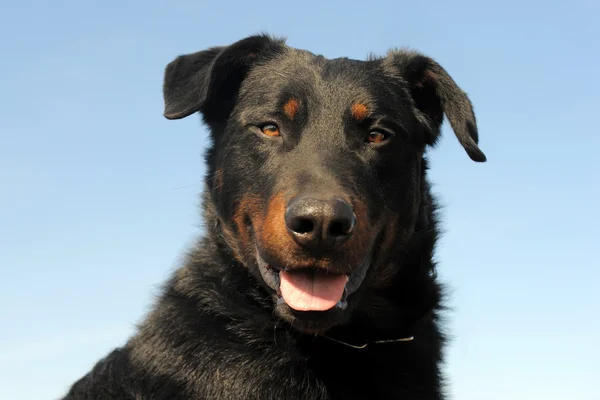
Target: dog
(314, 277)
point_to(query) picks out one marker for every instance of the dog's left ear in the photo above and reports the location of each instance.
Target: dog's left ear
(435, 93)
(208, 81)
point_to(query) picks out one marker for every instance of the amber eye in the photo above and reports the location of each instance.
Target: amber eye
(376, 137)
(270, 130)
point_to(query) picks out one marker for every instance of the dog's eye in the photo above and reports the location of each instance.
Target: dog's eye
(377, 137)
(270, 130)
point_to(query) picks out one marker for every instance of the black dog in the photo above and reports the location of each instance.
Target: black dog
(314, 279)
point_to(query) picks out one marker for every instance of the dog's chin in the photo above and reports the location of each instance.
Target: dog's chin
(313, 322)
(308, 320)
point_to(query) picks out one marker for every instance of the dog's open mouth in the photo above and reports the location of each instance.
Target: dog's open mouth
(310, 289)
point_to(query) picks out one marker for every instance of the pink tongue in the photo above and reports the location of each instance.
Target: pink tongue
(306, 290)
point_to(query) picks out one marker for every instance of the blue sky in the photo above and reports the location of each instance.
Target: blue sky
(99, 193)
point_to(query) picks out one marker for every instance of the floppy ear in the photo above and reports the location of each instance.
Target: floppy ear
(208, 80)
(435, 93)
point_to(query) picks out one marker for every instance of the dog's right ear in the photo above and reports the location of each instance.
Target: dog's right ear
(208, 80)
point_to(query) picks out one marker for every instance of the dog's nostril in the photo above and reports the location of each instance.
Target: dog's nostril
(340, 220)
(302, 225)
(340, 227)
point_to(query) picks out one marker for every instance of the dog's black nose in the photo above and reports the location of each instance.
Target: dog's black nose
(319, 224)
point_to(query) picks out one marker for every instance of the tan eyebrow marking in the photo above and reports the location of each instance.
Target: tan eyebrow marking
(359, 111)
(291, 107)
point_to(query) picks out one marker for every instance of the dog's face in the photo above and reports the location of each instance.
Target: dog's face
(315, 171)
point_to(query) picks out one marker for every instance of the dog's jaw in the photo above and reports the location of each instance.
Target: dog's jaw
(311, 319)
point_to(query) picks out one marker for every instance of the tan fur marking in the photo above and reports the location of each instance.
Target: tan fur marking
(359, 111)
(291, 108)
(273, 231)
(240, 239)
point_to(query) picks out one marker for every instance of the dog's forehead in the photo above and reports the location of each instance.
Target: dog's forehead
(302, 73)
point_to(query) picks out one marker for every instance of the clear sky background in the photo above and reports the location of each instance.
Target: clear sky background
(99, 193)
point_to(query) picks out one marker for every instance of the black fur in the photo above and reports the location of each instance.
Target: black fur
(218, 330)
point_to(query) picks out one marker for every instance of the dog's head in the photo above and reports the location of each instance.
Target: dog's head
(316, 164)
